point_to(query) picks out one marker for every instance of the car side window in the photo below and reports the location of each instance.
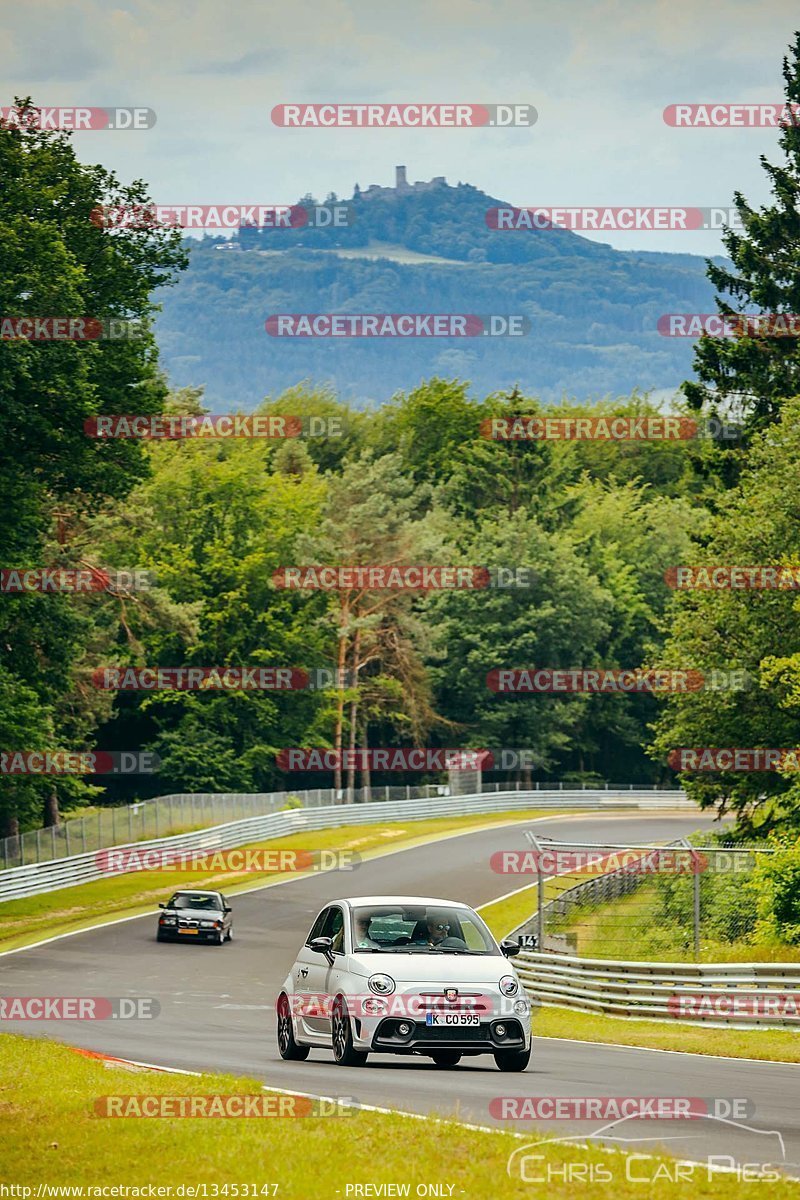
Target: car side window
(316, 928)
(334, 929)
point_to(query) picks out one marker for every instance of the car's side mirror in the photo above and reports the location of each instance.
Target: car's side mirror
(322, 945)
(228, 908)
(510, 947)
(162, 906)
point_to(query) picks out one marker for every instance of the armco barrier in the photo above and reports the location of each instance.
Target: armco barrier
(34, 878)
(654, 990)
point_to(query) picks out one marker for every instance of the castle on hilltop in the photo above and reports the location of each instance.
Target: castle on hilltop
(401, 186)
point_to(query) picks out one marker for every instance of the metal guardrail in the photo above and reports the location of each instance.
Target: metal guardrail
(35, 878)
(164, 816)
(667, 991)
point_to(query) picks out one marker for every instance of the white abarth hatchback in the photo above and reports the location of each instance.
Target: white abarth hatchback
(404, 975)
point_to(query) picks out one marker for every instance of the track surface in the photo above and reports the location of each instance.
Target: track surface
(217, 1006)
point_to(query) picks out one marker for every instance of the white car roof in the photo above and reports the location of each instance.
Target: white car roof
(357, 901)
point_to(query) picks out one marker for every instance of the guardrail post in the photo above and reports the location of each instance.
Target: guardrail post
(696, 910)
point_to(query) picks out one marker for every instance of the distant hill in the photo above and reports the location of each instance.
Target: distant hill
(593, 309)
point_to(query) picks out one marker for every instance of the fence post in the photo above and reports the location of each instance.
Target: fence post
(539, 894)
(696, 907)
(52, 844)
(83, 834)
(66, 836)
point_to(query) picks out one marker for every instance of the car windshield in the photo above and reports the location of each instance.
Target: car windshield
(420, 929)
(193, 900)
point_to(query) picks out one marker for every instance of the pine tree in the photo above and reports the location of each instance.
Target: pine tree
(750, 376)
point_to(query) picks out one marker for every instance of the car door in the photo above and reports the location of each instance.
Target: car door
(227, 919)
(307, 981)
(318, 981)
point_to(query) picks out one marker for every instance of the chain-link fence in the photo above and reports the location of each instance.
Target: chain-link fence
(677, 902)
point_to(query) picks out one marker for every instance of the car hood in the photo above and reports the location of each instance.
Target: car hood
(433, 968)
(196, 914)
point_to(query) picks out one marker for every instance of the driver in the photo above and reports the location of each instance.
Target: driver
(436, 930)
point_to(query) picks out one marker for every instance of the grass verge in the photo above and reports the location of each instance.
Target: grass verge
(770, 1045)
(70, 909)
(51, 1135)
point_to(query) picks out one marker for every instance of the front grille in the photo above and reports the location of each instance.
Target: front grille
(451, 1033)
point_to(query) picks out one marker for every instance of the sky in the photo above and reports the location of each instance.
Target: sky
(599, 74)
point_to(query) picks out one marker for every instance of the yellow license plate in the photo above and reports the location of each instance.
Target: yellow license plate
(188, 931)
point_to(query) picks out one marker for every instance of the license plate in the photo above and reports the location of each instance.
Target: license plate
(188, 931)
(454, 1018)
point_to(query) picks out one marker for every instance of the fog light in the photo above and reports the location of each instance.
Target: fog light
(404, 1028)
(500, 1030)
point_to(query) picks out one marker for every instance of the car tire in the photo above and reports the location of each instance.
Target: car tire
(230, 934)
(287, 1046)
(446, 1058)
(219, 940)
(344, 1053)
(161, 937)
(512, 1060)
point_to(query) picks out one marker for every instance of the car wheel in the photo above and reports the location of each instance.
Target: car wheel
(446, 1058)
(287, 1046)
(219, 940)
(161, 937)
(230, 934)
(512, 1060)
(344, 1053)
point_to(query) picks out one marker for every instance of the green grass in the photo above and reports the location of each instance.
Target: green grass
(51, 1134)
(771, 1045)
(70, 909)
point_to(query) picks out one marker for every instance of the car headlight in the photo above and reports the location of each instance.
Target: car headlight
(508, 985)
(382, 985)
(168, 921)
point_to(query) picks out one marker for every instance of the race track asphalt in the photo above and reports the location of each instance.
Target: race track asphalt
(217, 1006)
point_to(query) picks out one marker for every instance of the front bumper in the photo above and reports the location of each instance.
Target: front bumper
(503, 1033)
(170, 933)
